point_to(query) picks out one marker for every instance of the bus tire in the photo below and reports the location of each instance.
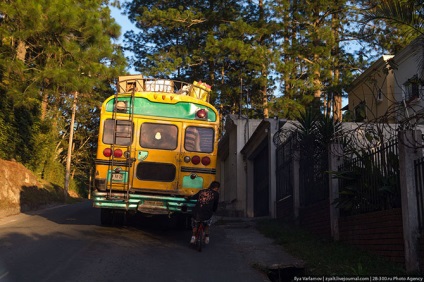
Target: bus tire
(119, 217)
(106, 216)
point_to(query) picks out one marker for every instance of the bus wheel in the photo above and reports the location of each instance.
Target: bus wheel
(119, 217)
(130, 218)
(106, 216)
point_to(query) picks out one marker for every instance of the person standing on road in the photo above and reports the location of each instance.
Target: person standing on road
(207, 204)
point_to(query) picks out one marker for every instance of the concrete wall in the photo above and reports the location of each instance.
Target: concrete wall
(232, 170)
(242, 139)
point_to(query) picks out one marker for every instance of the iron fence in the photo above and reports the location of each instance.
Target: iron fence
(370, 182)
(313, 173)
(313, 167)
(419, 184)
(284, 173)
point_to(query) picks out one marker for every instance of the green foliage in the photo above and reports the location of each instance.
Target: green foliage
(315, 131)
(393, 23)
(272, 57)
(281, 56)
(50, 50)
(223, 43)
(53, 172)
(4, 129)
(369, 183)
(312, 134)
(35, 197)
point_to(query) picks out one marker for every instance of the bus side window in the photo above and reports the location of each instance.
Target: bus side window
(199, 139)
(158, 136)
(119, 131)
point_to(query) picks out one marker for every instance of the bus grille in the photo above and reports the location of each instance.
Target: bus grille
(156, 172)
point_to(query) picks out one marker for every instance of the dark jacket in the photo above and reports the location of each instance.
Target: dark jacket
(207, 204)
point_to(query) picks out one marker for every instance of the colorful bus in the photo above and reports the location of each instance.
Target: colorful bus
(157, 144)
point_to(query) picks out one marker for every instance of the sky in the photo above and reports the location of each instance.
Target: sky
(125, 24)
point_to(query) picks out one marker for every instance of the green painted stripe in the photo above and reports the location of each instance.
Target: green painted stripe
(183, 110)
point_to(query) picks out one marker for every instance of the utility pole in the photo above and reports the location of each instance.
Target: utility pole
(71, 138)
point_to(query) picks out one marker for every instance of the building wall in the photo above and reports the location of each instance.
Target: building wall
(375, 87)
(407, 62)
(241, 137)
(388, 74)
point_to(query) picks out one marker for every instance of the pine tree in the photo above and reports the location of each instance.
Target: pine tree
(393, 24)
(390, 25)
(226, 44)
(50, 50)
(313, 63)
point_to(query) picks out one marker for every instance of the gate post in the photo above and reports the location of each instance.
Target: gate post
(409, 150)
(335, 159)
(296, 186)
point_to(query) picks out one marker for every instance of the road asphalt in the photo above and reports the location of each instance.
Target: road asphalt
(261, 251)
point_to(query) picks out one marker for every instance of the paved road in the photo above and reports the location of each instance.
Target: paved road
(67, 243)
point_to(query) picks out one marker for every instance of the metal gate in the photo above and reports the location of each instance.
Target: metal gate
(284, 179)
(261, 182)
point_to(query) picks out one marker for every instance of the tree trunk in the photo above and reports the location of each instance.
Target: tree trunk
(337, 96)
(44, 103)
(21, 51)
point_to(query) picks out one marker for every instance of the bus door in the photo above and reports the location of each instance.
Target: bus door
(157, 155)
(198, 159)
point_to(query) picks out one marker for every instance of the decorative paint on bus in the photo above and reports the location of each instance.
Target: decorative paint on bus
(154, 149)
(165, 108)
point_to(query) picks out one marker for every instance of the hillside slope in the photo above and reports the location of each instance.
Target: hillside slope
(21, 191)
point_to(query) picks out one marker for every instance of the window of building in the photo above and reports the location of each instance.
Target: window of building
(379, 95)
(411, 88)
(360, 113)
